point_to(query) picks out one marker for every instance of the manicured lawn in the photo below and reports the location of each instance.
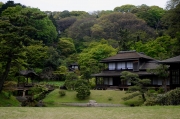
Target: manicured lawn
(55, 83)
(5, 101)
(151, 112)
(101, 96)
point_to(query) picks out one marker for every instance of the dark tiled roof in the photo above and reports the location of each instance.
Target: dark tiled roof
(74, 64)
(171, 60)
(118, 73)
(148, 65)
(127, 55)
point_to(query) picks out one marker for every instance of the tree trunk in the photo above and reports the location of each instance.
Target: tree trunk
(5, 74)
(143, 97)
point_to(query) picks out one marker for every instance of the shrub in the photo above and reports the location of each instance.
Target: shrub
(170, 98)
(92, 83)
(69, 84)
(150, 101)
(161, 99)
(110, 98)
(62, 93)
(82, 92)
(133, 103)
(151, 91)
(81, 82)
(160, 90)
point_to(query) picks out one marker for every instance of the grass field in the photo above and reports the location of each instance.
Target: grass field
(144, 112)
(55, 83)
(5, 101)
(101, 96)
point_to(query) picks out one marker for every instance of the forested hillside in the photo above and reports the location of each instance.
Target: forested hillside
(48, 42)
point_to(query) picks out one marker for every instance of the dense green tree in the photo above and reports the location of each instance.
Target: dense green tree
(125, 8)
(36, 56)
(9, 4)
(98, 14)
(123, 27)
(56, 15)
(53, 60)
(80, 31)
(66, 47)
(171, 4)
(79, 13)
(53, 21)
(63, 24)
(70, 81)
(61, 73)
(151, 14)
(64, 14)
(160, 48)
(16, 31)
(172, 23)
(138, 84)
(90, 57)
(46, 31)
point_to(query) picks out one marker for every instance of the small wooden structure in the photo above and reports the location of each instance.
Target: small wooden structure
(24, 87)
(73, 66)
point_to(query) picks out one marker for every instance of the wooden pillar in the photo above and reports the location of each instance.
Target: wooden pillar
(24, 93)
(96, 81)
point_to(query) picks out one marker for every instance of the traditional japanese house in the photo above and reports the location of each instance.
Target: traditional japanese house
(126, 61)
(174, 69)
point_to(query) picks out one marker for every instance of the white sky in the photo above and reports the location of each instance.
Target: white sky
(85, 5)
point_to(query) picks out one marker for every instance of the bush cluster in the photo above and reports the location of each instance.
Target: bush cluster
(170, 98)
(83, 92)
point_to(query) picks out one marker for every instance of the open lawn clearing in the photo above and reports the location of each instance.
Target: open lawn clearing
(101, 96)
(55, 83)
(150, 112)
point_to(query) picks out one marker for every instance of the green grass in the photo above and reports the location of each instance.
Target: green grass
(5, 101)
(55, 83)
(101, 96)
(144, 112)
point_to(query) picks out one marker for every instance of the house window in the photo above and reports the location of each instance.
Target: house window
(120, 65)
(159, 82)
(155, 82)
(75, 67)
(175, 77)
(108, 81)
(112, 66)
(129, 65)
